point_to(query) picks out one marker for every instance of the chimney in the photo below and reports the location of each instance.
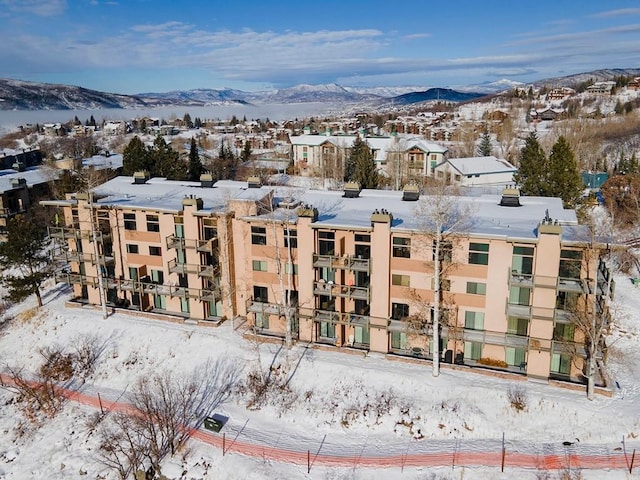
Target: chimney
(510, 197)
(141, 177)
(18, 182)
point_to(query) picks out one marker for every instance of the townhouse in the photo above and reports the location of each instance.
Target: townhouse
(348, 270)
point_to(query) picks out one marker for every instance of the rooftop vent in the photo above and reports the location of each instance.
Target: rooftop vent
(141, 177)
(18, 182)
(206, 180)
(254, 182)
(411, 192)
(510, 197)
(19, 166)
(289, 203)
(352, 190)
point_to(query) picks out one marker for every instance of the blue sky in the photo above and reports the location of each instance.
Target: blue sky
(135, 46)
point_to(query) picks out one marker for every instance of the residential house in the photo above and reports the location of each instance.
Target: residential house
(475, 171)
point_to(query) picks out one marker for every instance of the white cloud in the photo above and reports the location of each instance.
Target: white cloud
(43, 8)
(617, 13)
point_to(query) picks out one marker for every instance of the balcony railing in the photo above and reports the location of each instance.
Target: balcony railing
(182, 268)
(68, 233)
(175, 242)
(572, 285)
(336, 290)
(521, 279)
(331, 316)
(10, 212)
(342, 262)
(207, 246)
(210, 271)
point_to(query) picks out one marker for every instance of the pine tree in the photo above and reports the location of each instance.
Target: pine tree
(24, 259)
(360, 165)
(563, 176)
(167, 161)
(530, 175)
(135, 157)
(484, 149)
(195, 165)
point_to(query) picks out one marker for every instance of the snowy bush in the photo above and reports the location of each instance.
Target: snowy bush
(517, 396)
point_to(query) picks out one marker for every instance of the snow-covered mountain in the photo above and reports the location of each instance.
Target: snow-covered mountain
(595, 75)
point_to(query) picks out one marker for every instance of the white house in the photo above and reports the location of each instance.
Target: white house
(475, 171)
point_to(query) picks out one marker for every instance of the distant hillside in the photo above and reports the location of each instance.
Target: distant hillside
(443, 94)
(19, 95)
(596, 75)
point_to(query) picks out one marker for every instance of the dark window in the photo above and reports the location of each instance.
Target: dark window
(400, 280)
(209, 228)
(326, 243)
(399, 311)
(153, 223)
(290, 238)
(132, 248)
(476, 288)
(258, 235)
(479, 253)
(570, 264)
(260, 294)
(130, 221)
(359, 238)
(522, 261)
(563, 332)
(155, 251)
(401, 247)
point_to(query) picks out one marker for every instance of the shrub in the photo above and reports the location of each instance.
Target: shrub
(492, 362)
(517, 396)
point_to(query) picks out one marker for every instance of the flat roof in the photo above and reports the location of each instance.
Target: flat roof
(486, 217)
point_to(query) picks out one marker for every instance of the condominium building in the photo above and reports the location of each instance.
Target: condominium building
(352, 269)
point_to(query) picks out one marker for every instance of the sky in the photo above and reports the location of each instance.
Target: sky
(138, 46)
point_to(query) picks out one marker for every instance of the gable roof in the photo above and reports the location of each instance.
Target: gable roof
(479, 165)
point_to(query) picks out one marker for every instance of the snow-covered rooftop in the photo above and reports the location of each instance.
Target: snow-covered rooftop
(33, 176)
(480, 165)
(487, 216)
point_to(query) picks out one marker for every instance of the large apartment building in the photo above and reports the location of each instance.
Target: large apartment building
(345, 269)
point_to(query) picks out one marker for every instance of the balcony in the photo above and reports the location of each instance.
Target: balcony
(331, 289)
(207, 246)
(182, 268)
(175, 242)
(209, 271)
(343, 262)
(521, 279)
(65, 233)
(331, 316)
(255, 306)
(572, 285)
(10, 212)
(76, 279)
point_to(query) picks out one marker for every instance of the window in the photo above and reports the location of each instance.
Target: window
(399, 311)
(360, 238)
(479, 253)
(291, 268)
(445, 284)
(519, 295)
(155, 251)
(363, 247)
(259, 265)
(401, 247)
(570, 264)
(476, 288)
(153, 223)
(518, 326)
(157, 276)
(446, 251)
(209, 228)
(515, 356)
(130, 221)
(133, 273)
(262, 320)
(560, 364)
(290, 238)
(399, 340)
(474, 320)
(567, 300)
(326, 243)
(178, 221)
(131, 248)
(327, 330)
(563, 332)
(522, 260)
(400, 280)
(184, 305)
(258, 235)
(260, 294)
(472, 350)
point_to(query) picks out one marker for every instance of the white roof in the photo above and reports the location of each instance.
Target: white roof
(479, 165)
(336, 211)
(100, 162)
(33, 176)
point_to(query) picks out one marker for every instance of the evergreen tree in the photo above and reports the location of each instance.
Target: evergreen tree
(530, 175)
(136, 157)
(562, 174)
(195, 165)
(167, 162)
(24, 259)
(227, 164)
(187, 120)
(484, 149)
(245, 155)
(360, 165)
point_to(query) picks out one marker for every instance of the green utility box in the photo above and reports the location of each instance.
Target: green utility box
(213, 424)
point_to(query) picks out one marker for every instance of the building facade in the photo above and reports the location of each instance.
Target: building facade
(345, 270)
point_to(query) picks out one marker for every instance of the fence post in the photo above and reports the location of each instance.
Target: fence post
(308, 461)
(633, 457)
(100, 402)
(224, 442)
(504, 452)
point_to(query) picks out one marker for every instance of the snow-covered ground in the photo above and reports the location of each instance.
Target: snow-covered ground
(339, 405)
